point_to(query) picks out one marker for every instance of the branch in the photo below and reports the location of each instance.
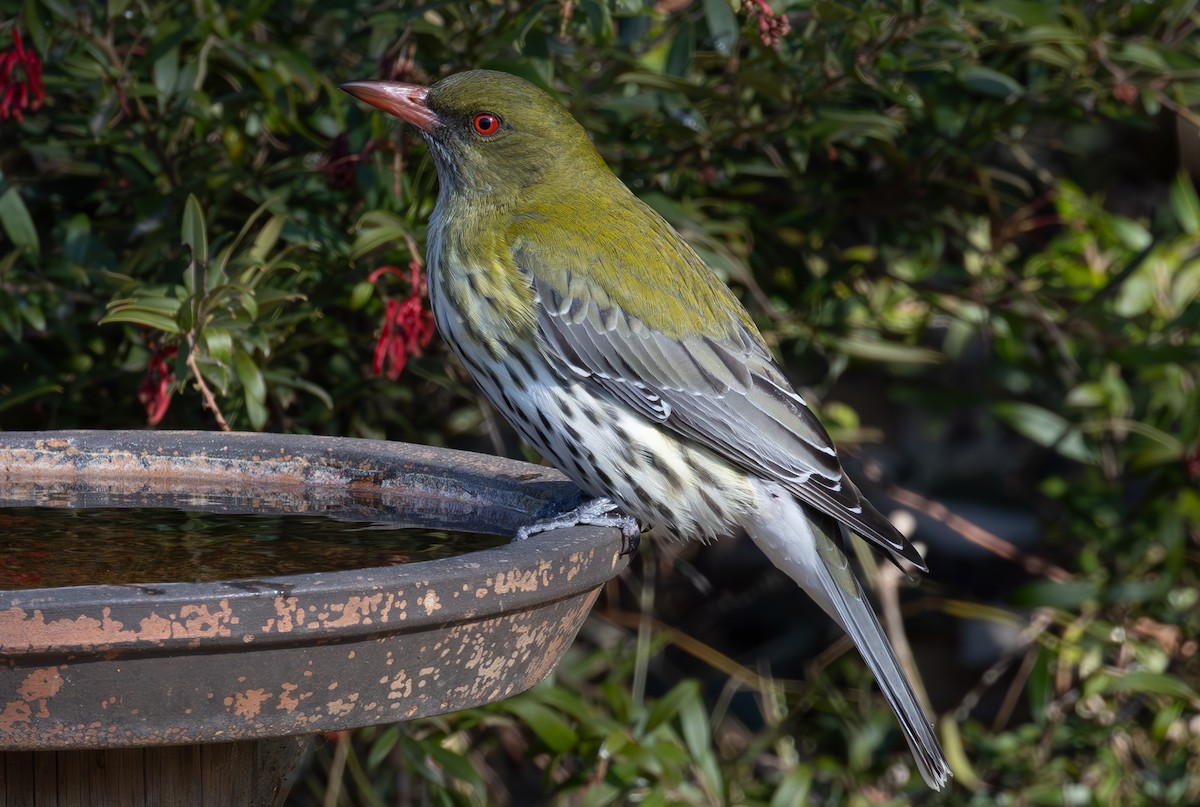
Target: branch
(978, 535)
(210, 400)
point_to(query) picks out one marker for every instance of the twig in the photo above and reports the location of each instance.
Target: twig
(645, 629)
(1015, 690)
(699, 650)
(120, 66)
(978, 535)
(210, 400)
(337, 769)
(888, 587)
(1041, 622)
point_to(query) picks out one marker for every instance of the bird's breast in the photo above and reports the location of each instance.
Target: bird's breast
(481, 301)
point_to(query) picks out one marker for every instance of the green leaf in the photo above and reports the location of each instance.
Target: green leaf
(166, 75)
(1088, 394)
(36, 28)
(1066, 596)
(32, 313)
(142, 316)
(1184, 203)
(794, 787)
(1147, 682)
(723, 25)
(257, 412)
(567, 701)
(249, 303)
(78, 237)
(850, 125)
(861, 347)
(20, 394)
(218, 343)
(696, 728)
(168, 34)
(987, 81)
(375, 229)
(1017, 12)
(956, 754)
(551, 729)
(1133, 235)
(17, 223)
(601, 794)
(382, 746)
(457, 765)
(1047, 429)
(599, 17)
(683, 44)
(361, 294)
(291, 381)
(194, 233)
(1141, 55)
(164, 305)
(665, 708)
(251, 377)
(214, 275)
(267, 237)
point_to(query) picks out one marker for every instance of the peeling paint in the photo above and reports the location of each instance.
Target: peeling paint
(287, 701)
(430, 602)
(14, 712)
(354, 611)
(341, 707)
(288, 616)
(183, 663)
(401, 686)
(248, 704)
(41, 684)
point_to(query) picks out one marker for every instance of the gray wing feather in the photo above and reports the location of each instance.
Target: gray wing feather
(728, 396)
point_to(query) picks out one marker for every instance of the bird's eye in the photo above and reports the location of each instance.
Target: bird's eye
(485, 124)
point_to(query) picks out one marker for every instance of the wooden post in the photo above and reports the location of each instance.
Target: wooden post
(250, 773)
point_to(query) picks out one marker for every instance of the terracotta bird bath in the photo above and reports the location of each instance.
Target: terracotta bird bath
(151, 693)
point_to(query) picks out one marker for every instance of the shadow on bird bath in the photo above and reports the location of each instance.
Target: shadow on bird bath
(210, 691)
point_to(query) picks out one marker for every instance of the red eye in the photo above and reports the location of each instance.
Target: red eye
(486, 124)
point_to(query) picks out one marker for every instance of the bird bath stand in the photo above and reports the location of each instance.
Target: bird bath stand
(183, 693)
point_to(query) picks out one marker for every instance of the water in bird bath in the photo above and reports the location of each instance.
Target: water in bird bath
(47, 547)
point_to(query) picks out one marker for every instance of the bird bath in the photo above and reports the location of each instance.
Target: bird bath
(148, 692)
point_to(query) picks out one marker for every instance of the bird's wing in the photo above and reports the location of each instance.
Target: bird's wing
(725, 393)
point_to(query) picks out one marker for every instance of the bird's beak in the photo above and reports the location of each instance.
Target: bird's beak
(405, 101)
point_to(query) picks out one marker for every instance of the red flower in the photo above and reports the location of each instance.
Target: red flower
(407, 323)
(154, 391)
(771, 27)
(21, 85)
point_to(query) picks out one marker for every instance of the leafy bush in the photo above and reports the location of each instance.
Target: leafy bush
(963, 224)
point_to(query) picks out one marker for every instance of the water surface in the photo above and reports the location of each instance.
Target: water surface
(45, 547)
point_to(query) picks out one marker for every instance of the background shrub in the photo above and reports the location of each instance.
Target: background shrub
(969, 228)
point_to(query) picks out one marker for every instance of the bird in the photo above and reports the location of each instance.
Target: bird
(601, 335)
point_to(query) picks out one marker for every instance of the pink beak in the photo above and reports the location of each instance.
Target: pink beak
(405, 101)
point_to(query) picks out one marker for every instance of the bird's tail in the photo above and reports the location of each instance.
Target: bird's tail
(804, 545)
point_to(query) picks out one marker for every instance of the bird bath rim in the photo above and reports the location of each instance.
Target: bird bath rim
(317, 651)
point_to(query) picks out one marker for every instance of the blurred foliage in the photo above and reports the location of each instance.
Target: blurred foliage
(964, 224)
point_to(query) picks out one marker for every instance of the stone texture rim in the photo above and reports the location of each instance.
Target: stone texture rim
(147, 664)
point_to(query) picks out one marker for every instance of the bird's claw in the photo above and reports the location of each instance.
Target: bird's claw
(599, 512)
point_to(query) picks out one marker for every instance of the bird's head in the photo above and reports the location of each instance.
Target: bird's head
(491, 134)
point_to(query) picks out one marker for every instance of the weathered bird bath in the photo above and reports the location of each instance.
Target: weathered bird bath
(208, 693)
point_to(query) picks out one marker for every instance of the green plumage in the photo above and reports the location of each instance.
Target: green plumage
(540, 187)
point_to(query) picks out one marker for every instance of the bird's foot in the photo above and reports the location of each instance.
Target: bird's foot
(598, 512)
